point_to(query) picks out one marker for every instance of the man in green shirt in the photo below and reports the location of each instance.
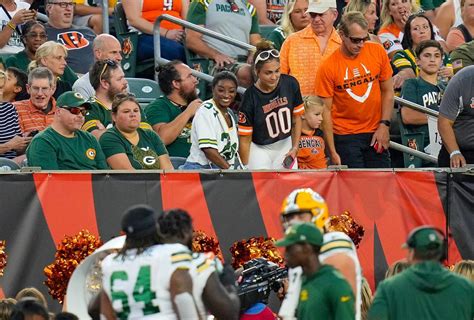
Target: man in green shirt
(426, 290)
(324, 294)
(63, 146)
(171, 115)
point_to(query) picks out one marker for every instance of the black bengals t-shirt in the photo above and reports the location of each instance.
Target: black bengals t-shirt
(267, 116)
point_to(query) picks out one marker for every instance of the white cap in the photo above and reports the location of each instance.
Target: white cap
(321, 6)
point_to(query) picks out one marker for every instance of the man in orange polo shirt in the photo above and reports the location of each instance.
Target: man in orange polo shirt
(37, 113)
(355, 83)
(303, 52)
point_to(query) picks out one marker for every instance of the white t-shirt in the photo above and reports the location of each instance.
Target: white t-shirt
(210, 130)
(202, 268)
(139, 285)
(14, 44)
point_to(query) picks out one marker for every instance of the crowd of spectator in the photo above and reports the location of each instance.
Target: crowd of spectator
(343, 66)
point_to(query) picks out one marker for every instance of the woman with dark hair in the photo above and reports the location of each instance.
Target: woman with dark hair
(418, 28)
(270, 114)
(214, 138)
(127, 146)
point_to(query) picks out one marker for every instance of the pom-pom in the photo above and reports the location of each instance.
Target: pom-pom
(345, 223)
(204, 243)
(3, 257)
(69, 254)
(255, 247)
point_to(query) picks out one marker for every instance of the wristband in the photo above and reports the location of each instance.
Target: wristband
(11, 25)
(455, 152)
(385, 122)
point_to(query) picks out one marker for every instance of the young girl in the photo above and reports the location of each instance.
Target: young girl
(311, 145)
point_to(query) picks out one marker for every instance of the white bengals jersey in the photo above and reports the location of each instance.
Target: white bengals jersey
(138, 286)
(339, 242)
(203, 266)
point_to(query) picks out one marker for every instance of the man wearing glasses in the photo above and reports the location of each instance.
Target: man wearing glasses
(63, 145)
(302, 52)
(78, 40)
(355, 83)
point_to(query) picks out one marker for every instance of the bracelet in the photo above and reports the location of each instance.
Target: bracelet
(385, 122)
(455, 152)
(166, 33)
(11, 25)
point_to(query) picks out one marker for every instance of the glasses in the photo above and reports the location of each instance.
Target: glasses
(35, 90)
(359, 40)
(77, 111)
(64, 5)
(108, 62)
(36, 35)
(265, 55)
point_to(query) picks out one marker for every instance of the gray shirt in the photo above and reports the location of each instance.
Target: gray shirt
(458, 105)
(84, 87)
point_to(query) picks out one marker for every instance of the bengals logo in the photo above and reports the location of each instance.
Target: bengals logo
(90, 153)
(127, 47)
(242, 118)
(73, 40)
(387, 44)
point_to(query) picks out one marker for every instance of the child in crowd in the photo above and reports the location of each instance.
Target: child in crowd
(15, 85)
(311, 146)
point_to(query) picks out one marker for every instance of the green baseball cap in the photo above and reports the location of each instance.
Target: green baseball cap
(72, 99)
(424, 238)
(301, 232)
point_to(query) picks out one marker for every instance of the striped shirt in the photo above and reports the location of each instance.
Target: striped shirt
(32, 118)
(9, 126)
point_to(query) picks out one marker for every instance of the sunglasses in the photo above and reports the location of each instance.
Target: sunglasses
(359, 40)
(107, 63)
(77, 111)
(265, 55)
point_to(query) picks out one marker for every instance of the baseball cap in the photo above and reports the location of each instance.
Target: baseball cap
(301, 232)
(424, 238)
(321, 6)
(72, 99)
(139, 221)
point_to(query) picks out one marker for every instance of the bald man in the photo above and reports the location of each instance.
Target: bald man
(105, 47)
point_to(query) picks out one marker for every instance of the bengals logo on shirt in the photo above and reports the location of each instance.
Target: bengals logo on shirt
(73, 40)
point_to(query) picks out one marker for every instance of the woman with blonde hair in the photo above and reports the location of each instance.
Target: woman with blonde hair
(294, 19)
(52, 55)
(366, 299)
(465, 268)
(396, 268)
(369, 10)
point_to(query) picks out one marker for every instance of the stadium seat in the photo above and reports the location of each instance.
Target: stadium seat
(177, 161)
(412, 140)
(265, 30)
(8, 165)
(145, 90)
(129, 43)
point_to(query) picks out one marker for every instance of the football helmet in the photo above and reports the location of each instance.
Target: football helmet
(305, 200)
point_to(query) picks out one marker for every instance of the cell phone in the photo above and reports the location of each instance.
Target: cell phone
(33, 133)
(288, 162)
(376, 147)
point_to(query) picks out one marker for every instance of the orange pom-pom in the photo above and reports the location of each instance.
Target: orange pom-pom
(255, 247)
(69, 254)
(3, 257)
(204, 243)
(345, 223)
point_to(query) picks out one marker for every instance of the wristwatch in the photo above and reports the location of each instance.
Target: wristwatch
(385, 122)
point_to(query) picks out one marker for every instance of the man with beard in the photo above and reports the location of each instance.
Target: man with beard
(171, 115)
(107, 79)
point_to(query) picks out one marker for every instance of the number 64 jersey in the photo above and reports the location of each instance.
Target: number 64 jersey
(267, 117)
(138, 286)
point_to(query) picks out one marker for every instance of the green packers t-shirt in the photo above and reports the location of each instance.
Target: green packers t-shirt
(326, 295)
(162, 110)
(142, 156)
(52, 151)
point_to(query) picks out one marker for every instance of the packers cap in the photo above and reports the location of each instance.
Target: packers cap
(424, 238)
(301, 232)
(72, 99)
(139, 221)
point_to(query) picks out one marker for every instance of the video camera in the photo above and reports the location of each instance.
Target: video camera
(258, 278)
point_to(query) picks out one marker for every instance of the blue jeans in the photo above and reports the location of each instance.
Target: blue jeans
(355, 151)
(197, 166)
(170, 49)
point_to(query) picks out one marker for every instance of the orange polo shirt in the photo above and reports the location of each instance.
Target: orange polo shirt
(300, 56)
(32, 118)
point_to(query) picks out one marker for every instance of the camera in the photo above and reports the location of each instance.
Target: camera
(258, 279)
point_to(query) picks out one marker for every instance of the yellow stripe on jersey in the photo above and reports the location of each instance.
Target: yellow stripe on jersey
(181, 257)
(251, 9)
(145, 125)
(203, 266)
(337, 244)
(299, 110)
(89, 124)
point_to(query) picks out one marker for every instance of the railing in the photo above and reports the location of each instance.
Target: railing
(105, 16)
(159, 60)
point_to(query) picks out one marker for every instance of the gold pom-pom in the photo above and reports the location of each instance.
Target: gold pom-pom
(3, 257)
(255, 247)
(204, 243)
(345, 223)
(69, 254)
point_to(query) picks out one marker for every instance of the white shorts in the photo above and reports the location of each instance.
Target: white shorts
(269, 156)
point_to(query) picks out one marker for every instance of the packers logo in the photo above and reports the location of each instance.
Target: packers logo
(73, 40)
(90, 153)
(304, 295)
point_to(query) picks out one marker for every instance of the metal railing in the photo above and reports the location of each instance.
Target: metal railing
(105, 16)
(416, 107)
